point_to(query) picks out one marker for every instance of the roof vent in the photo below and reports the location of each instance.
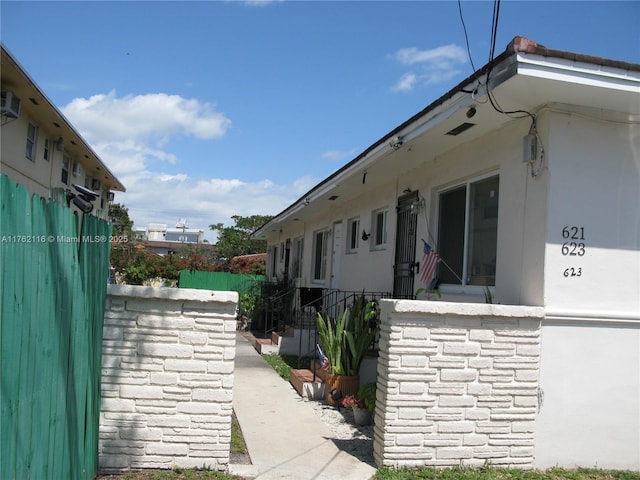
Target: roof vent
(460, 128)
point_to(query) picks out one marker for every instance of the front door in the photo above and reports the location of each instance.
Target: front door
(405, 258)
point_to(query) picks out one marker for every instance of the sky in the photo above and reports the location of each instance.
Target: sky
(209, 109)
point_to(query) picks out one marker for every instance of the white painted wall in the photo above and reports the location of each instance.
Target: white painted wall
(594, 186)
(590, 377)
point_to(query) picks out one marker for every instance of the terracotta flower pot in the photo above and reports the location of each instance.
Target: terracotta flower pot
(347, 385)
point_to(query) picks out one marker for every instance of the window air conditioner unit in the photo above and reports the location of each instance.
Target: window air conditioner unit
(77, 169)
(95, 184)
(9, 105)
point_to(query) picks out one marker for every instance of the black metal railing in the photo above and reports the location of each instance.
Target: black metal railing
(298, 308)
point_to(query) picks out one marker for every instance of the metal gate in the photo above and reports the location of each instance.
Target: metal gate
(405, 263)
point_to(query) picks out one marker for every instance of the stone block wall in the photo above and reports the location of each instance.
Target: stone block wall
(457, 384)
(167, 378)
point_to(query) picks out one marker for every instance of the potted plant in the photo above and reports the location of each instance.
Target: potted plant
(361, 413)
(345, 341)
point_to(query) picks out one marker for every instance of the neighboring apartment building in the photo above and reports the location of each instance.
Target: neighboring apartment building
(43, 151)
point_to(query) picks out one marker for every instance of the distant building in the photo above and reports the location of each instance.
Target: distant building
(160, 239)
(42, 151)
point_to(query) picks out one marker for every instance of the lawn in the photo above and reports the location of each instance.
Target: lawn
(175, 474)
(492, 473)
(487, 473)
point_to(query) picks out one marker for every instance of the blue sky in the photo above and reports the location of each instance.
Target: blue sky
(210, 109)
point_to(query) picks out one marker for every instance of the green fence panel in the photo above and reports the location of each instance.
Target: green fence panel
(219, 281)
(53, 287)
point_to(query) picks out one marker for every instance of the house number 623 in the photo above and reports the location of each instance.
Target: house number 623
(574, 245)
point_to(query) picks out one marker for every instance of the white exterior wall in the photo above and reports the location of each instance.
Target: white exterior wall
(521, 223)
(521, 217)
(594, 186)
(590, 381)
(38, 176)
(167, 378)
(590, 369)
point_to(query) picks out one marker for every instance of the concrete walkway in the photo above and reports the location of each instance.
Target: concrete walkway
(285, 438)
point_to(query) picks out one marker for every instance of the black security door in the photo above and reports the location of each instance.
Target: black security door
(405, 259)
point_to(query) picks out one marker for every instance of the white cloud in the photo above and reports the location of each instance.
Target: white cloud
(434, 66)
(406, 82)
(153, 116)
(155, 197)
(129, 133)
(440, 55)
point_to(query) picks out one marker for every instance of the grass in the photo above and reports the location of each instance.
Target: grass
(283, 363)
(492, 473)
(237, 440)
(175, 474)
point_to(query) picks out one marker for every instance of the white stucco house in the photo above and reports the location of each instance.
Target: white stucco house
(525, 178)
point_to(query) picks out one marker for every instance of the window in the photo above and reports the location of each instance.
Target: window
(32, 131)
(353, 235)
(380, 228)
(320, 240)
(468, 233)
(64, 176)
(47, 149)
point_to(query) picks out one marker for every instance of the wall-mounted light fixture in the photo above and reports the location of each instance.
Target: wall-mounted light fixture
(365, 235)
(395, 142)
(471, 111)
(416, 206)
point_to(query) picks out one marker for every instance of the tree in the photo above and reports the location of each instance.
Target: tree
(236, 240)
(119, 217)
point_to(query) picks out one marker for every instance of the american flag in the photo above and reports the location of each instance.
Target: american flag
(430, 259)
(324, 361)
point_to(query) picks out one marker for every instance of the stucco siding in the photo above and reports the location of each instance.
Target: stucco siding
(593, 244)
(590, 384)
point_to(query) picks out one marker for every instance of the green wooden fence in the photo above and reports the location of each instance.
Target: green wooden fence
(54, 269)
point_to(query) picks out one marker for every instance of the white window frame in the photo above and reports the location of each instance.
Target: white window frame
(379, 232)
(32, 138)
(46, 152)
(320, 255)
(466, 247)
(353, 235)
(66, 165)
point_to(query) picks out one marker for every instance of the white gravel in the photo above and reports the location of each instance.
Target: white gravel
(354, 439)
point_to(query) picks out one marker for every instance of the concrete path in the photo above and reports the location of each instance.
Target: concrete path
(285, 438)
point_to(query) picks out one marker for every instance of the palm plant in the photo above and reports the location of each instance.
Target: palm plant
(346, 340)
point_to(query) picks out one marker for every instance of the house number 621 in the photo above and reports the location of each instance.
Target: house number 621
(574, 245)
